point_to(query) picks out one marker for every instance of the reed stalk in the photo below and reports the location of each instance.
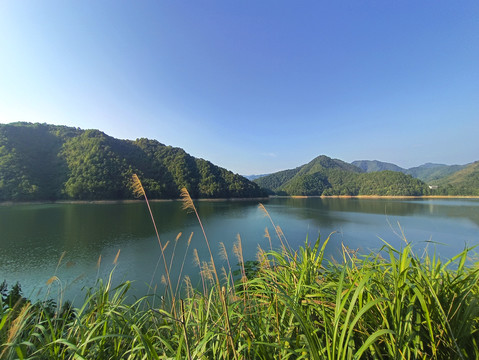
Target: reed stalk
(139, 191)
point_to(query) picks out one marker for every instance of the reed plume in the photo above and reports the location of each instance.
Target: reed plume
(116, 257)
(197, 262)
(15, 330)
(188, 205)
(52, 279)
(224, 256)
(60, 261)
(174, 248)
(183, 263)
(278, 230)
(139, 191)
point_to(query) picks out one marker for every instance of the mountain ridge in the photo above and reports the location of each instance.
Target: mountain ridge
(326, 176)
(426, 172)
(52, 162)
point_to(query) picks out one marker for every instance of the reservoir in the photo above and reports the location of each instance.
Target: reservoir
(78, 242)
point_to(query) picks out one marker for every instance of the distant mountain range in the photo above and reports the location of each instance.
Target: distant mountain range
(374, 165)
(326, 176)
(254, 177)
(427, 172)
(47, 162)
(467, 177)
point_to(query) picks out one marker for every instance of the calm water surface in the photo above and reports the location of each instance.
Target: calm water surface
(33, 237)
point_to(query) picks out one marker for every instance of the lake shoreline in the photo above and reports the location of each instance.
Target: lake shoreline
(11, 203)
(127, 201)
(378, 197)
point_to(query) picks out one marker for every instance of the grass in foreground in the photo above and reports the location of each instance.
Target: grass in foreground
(289, 305)
(296, 306)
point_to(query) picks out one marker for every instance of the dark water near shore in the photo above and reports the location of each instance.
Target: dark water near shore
(33, 237)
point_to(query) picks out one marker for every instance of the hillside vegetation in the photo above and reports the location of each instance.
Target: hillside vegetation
(375, 165)
(430, 172)
(462, 181)
(326, 176)
(47, 162)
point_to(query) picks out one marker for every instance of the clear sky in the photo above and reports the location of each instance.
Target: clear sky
(253, 86)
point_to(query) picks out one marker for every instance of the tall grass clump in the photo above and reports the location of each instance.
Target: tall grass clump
(292, 304)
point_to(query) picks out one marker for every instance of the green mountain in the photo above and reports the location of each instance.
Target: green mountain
(326, 176)
(374, 165)
(47, 162)
(430, 172)
(462, 182)
(308, 179)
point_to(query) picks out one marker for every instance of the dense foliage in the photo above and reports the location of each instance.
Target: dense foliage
(374, 165)
(430, 172)
(325, 176)
(462, 182)
(47, 162)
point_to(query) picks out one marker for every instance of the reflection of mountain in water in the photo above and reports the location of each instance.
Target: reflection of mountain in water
(310, 208)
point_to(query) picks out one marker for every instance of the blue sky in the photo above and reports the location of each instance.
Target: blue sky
(253, 86)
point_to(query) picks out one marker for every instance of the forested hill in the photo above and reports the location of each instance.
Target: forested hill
(431, 172)
(463, 181)
(326, 176)
(47, 162)
(374, 165)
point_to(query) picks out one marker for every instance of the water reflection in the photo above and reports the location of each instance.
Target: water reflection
(33, 237)
(453, 208)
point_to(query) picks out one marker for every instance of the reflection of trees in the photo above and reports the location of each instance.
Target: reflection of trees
(310, 208)
(231, 209)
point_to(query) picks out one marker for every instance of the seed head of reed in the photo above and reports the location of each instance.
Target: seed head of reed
(137, 187)
(238, 249)
(187, 201)
(207, 271)
(263, 209)
(17, 326)
(188, 287)
(60, 260)
(223, 253)
(116, 257)
(52, 279)
(262, 258)
(196, 258)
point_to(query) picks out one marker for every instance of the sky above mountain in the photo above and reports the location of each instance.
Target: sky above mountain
(253, 86)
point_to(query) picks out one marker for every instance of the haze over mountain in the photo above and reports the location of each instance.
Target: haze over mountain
(47, 162)
(254, 177)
